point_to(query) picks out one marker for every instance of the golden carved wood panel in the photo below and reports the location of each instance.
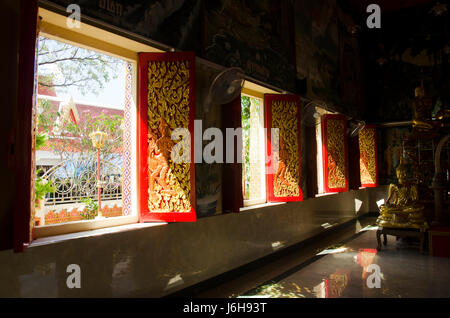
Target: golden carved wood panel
(334, 150)
(368, 156)
(167, 187)
(284, 172)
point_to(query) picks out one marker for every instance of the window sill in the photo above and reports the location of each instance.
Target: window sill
(89, 233)
(259, 206)
(84, 225)
(326, 194)
(248, 203)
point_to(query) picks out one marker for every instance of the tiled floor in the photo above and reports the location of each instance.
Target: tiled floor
(351, 270)
(345, 263)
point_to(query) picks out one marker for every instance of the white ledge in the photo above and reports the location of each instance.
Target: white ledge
(90, 233)
(262, 205)
(326, 194)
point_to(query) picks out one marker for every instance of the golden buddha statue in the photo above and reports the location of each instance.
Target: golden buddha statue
(401, 209)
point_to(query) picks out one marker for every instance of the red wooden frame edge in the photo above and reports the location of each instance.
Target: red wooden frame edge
(23, 146)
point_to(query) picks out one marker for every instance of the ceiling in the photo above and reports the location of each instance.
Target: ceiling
(387, 5)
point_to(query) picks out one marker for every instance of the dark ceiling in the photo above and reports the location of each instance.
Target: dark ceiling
(387, 5)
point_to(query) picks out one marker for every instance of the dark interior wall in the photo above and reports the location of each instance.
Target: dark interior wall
(174, 23)
(411, 47)
(327, 55)
(9, 15)
(208, 177)
(254, 35)
(268, 49)
(304, 47)
(408, 49)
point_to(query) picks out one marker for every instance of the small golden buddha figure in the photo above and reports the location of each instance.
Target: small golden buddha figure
(401, 209)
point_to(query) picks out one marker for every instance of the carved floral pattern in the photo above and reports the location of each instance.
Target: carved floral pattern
(336, 153)
(287, 177)
(367, 149)
(168, 105)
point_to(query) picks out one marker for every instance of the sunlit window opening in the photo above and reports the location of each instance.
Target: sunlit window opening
(253, 140)
(82, 96)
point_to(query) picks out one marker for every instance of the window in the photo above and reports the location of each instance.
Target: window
(81, 92)
(253, 142)
(72, 117)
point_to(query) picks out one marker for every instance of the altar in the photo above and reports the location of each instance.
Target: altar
(401, 232)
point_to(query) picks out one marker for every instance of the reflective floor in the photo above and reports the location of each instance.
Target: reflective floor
(356, 269)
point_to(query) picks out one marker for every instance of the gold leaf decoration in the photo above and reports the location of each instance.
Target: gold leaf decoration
(168, 101)
(336, 153)
(367, 149)
(284, 117)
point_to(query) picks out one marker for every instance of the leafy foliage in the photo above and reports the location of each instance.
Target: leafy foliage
(41, 139)
(63, 65)
(71, 139)
(42, 187)
(245, 114)
(91, 209)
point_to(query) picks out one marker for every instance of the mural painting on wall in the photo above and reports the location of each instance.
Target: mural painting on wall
(390, 150)
(350, 75)
(317, 48)
(253, 35)
(401, 60)
(175, 23)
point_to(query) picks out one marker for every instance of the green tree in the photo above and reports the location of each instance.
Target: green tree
(72, 139)
(66, 67)
(245, 102)
(61, 65)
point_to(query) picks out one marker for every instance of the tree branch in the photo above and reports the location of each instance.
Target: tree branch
(72, 59)
(75, 83)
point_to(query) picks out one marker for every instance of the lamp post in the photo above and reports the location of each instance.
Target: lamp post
(98, 140)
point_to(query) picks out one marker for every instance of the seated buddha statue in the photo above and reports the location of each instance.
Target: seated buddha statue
(401, 209)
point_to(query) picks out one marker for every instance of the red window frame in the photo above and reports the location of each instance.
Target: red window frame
(142, 165)
(23, 156)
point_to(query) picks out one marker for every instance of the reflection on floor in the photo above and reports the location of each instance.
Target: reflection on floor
(356, 269)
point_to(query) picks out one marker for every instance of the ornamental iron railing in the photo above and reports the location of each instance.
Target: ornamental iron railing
(76, 179)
